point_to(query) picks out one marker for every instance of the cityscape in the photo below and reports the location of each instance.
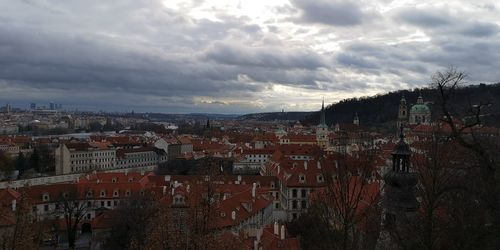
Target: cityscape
(249, 125)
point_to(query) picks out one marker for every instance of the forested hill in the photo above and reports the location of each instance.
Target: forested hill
(276, 116)
(382, 110)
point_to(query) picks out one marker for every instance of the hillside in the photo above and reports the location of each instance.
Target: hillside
(276, 116)
(381, 110)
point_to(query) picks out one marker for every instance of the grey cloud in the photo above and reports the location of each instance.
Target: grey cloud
(234, 54)
(351, 60)
(427, 18)
(336, 13)
(478, 29)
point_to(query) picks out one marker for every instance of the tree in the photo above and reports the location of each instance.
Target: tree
(35, 161)
(131, 222)
(73, 208)
(465, 124)
(23, 234)
(346, 210)
(6, 164)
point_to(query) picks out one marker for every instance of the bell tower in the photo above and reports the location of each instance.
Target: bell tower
(322, 129)
(402, 114)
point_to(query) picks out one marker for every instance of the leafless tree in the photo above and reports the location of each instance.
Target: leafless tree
(464, 125)
(71, 205)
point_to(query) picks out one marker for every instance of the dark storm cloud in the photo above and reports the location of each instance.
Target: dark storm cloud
(336, 13)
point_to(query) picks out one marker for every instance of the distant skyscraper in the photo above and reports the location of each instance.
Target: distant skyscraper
(52, 106)
(33, 106)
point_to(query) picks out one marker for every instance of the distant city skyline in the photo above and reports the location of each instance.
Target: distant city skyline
(236, 57)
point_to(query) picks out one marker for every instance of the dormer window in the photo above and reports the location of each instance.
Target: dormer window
(127, 193)
(178, 200)
(115, 193)
(319, 178)
(65, 195)
(302, 178)
(113, 180)
(89, 194)
(45, 197)
(103, 193)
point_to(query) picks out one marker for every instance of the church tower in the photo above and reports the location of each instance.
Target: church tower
(356, 119)
(402, 114)
(322, 129)
(399, 200)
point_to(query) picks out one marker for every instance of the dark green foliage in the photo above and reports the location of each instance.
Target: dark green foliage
(382, 109)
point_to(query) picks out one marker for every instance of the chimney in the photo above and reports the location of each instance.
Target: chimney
(276, 228)
(233, 215)
(282, 232)
(239, 178)
(167, 178)
(14, 203)
(305, 165)
(164, 190)
(98, 181)
(255, 245)
(188, 188)
(318, 164)
(254, 187)
(173, 191)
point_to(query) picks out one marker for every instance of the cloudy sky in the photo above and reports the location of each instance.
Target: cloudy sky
(230, 56)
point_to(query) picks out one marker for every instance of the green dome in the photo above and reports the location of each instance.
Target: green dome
(420, 108)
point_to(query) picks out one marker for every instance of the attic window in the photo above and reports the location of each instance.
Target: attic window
(103, 193)
(127, 193)
(302, 178)
(222, 214)
(45, 197)
(115, 193)
(113, 180)
(89, 193)
(319, 178)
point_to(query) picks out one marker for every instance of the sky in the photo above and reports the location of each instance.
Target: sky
(235, 57)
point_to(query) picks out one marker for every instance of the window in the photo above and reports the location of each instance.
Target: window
(103, 193)
(109, 203)
(89, 204)
(303, 193)
(302, 178)
(45, 207)
(294, 193)
(102, 203)
(45, 197)
(319, 178)
(115, 193)
(294, 204)
(303, 204)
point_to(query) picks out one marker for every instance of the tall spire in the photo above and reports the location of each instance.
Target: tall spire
(322, 120)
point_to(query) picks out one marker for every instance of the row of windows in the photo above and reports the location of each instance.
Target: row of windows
(79, 155)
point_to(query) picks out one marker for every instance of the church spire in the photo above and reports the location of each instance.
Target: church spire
(322, 120)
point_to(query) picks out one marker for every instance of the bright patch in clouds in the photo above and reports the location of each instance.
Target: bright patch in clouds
(231, 56)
